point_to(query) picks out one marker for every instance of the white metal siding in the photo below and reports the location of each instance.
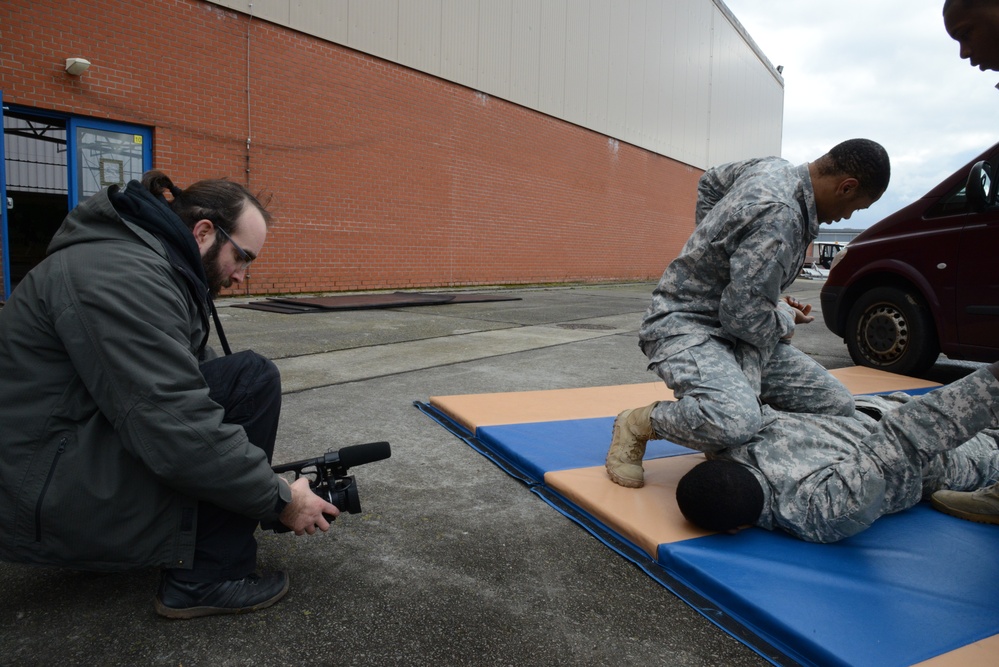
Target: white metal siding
(525, 56)
(744, 95)
(578, 48)
(420, 34)
(495, 47)
(326, 19)
(374, 27)
(459, 41)
(678, 77)
(552, 57)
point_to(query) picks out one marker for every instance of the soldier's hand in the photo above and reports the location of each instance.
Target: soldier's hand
(801, 310)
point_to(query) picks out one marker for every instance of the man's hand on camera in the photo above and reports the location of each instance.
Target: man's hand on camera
(304, 514)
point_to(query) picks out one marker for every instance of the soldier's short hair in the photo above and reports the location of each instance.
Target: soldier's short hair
(863, 159)
(966, 4)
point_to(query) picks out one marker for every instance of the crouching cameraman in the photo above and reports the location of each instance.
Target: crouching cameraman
(122, 443)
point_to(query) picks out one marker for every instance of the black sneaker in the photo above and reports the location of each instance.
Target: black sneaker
(182, 599)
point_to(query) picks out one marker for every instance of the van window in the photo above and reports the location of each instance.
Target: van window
(954, 202)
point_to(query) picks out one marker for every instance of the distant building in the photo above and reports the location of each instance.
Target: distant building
(837, 235)
(407, 143)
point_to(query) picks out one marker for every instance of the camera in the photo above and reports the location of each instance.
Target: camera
(328, 476)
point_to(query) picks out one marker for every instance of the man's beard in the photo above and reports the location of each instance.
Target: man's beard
(216, 278)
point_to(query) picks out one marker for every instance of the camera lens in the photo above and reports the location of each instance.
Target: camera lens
(343, 494)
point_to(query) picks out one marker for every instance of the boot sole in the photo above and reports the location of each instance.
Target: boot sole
(624, 481)
(992, 519)
(198, 612)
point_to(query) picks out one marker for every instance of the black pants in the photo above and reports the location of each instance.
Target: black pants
(248, 387)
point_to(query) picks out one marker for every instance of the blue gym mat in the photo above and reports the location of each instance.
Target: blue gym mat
(918, 587)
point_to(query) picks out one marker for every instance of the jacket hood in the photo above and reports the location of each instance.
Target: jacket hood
(110, 213)
(139, 206)
(100, 218)
(93, 220)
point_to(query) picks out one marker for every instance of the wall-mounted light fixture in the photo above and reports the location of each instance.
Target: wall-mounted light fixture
(76, 66)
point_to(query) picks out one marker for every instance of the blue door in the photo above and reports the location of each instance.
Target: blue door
(4, 253)
(51, 163)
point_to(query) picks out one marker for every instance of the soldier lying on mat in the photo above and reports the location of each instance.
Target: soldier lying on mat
(823, 478)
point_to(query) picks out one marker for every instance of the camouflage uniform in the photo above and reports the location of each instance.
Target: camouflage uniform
(828, 477)
(716, 331)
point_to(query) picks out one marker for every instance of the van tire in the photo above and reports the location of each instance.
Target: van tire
(891, 329)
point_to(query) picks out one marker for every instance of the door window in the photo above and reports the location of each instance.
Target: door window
(106, 157)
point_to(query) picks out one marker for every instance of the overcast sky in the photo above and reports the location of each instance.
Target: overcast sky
(881, 69)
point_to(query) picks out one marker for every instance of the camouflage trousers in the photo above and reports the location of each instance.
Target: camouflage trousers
(945, 439)
(720, 387)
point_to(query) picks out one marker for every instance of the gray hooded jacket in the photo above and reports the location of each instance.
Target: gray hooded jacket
(108, 438)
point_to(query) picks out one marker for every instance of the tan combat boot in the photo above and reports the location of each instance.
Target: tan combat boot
(632, 430)
(981, 505)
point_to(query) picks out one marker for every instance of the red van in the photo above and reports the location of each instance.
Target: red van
(924, 280)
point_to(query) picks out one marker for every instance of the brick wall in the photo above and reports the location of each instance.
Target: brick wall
(381, 176)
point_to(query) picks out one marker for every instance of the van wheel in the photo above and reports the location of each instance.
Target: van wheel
(892, 330)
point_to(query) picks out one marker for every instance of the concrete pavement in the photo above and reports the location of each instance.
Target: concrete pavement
(452, 562)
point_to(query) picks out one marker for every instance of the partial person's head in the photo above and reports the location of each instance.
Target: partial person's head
(229, 224)
(849, 178)
(720, 495)
(974, 24)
